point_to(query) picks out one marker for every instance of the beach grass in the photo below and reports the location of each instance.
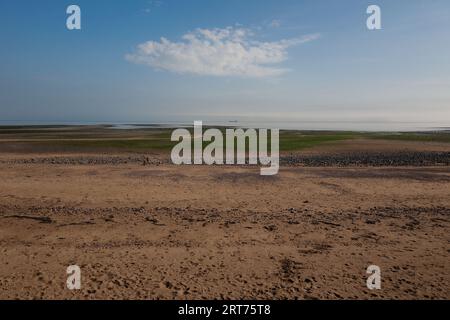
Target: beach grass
(83, 138)
(443, 136)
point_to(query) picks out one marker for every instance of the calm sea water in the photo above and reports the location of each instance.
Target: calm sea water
(286, 125)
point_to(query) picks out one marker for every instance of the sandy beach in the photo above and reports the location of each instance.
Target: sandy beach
(147, 229)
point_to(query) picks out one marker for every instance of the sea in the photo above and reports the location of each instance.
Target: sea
(362, 126)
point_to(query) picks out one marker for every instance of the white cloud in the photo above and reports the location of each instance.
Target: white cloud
(217, 52)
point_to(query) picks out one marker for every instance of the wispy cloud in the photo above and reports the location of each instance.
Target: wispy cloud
(228, 51)
(152, 4)
(275, 24)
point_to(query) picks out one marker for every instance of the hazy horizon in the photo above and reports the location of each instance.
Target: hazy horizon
(314, 125)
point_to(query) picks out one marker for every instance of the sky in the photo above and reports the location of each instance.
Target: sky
(179, 60)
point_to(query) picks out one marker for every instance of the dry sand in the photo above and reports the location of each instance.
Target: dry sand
(204, 232)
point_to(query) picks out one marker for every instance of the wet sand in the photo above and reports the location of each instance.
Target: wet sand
(159, 231)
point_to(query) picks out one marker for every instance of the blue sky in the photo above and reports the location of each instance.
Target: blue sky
(305, 60)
